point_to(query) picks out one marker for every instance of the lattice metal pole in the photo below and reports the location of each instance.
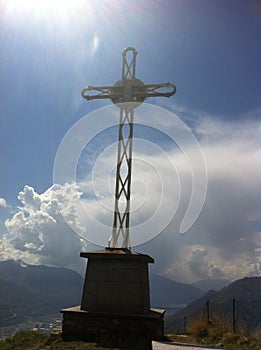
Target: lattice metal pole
(127, 93)
(121, 221)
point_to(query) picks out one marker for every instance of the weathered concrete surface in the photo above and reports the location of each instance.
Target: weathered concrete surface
(178, 346)
(122, 331)
(116, 282)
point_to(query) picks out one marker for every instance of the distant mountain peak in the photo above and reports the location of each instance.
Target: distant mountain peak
(211, 284)
(247, 294)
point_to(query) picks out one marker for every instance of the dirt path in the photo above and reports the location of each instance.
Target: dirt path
(178, 346)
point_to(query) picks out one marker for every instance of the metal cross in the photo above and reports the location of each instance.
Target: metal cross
(127, 93)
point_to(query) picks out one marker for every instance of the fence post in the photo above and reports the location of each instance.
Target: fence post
(185, 325)
(234, 315)
(208, 311)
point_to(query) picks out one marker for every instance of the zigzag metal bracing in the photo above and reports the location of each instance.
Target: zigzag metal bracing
(127, 93)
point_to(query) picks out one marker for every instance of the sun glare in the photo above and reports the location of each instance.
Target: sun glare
(52, 20)
(44, 7)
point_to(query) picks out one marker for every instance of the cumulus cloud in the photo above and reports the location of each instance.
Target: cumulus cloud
(3, 203)
(225, 241)
(38, 233)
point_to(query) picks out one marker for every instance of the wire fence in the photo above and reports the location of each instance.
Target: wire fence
(237, 314)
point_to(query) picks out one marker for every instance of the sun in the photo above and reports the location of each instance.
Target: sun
(44, 8)
(71, 22)
(41, 5)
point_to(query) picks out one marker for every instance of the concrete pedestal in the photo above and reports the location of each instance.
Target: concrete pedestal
(115, 308)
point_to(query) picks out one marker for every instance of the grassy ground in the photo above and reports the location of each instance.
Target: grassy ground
(30, 340)
(228, 342)
(219, 332)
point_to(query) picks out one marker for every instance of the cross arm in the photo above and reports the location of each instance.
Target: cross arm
(138, 91)
(153, 90)
(103, 92)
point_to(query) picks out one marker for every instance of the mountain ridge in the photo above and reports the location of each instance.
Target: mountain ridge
(245, 292)
(35, 290)
(168, 293)
(211, 284)
(27, 287)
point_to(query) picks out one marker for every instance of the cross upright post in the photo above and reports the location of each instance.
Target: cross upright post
(127, 93)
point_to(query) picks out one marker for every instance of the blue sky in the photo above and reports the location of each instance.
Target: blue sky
(210, 49)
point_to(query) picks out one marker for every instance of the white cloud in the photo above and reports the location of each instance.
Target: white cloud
(224, 242)
(37, 232)
(3, 203)
(7, 251)
(226, 230)
(225, 239)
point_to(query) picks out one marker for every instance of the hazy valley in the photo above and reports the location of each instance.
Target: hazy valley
(33, 295)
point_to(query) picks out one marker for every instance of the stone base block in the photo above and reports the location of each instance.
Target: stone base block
(113, 330)
(116, 282)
